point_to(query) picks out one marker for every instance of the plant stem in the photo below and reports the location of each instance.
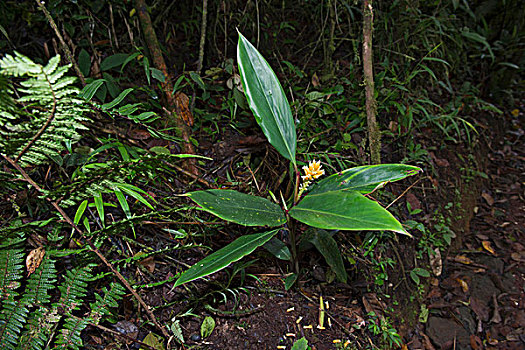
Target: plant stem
(292, 224)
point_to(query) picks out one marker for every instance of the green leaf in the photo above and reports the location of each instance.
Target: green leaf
(117, 100)
(207, 327)
(301, 344)
(327, 246)
(90, 89)
(157, 74)
(414, 277)
(289, 281)
(177, 331)
(84, 62)
(99, 204)
(217, 261)
(266, 99)
(197, 78)
(278, 249)
(364, 179)
(421, 272)
(80, 211)
(240, 208)
(145, 64)
(344, 210)
(154, 341)
(134, 192)
(113, 61)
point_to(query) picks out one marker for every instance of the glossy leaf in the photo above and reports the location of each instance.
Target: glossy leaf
(217, 261)
(290, 281)
(240, 208)
(327, 246)
(278, 249)
(266, 99)
(364, 179)
(344, 210)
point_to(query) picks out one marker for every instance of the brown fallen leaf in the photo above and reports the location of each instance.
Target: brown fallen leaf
(148, 263)
(463, 284)
(462, 259)
(34, 258)
(415, 203)
(488, 247)
(427, 342)
(496, 318)
(475, 342)
(488, 198)
(480, 309)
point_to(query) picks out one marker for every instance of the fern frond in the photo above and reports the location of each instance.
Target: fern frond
(39, 328)
(40, 283)
(69, 336)
(12, 318)
(74, 288)
(49, 113)
(11, 271)
(102, 305)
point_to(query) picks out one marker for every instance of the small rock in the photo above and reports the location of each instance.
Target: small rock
(195, 337)
(443, 330)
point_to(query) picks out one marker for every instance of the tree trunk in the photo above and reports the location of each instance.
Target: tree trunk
(156, 55)
(374, 136)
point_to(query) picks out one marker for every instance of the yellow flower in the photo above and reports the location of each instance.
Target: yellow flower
(312, 171)
(515, 112)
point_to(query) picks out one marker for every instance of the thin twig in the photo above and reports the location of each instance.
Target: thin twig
(404, 192)
(62, 42)
(91, 245)
(118, 334)
(203, 35)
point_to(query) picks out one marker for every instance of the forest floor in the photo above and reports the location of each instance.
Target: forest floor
(476, 301)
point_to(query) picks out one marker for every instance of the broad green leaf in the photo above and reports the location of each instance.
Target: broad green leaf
(240, 208)
(290, 281)
(217, 261)
(197, 78)
(278, 249)
(157, 74)
(84, 62)
(266, 99)
(154, 341)
(344, 210)
(364, 179)
(301, 344)
(327, 246)
(113, 61)
(207, 326)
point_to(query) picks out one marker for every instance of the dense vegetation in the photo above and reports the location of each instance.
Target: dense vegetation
(112, 114)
